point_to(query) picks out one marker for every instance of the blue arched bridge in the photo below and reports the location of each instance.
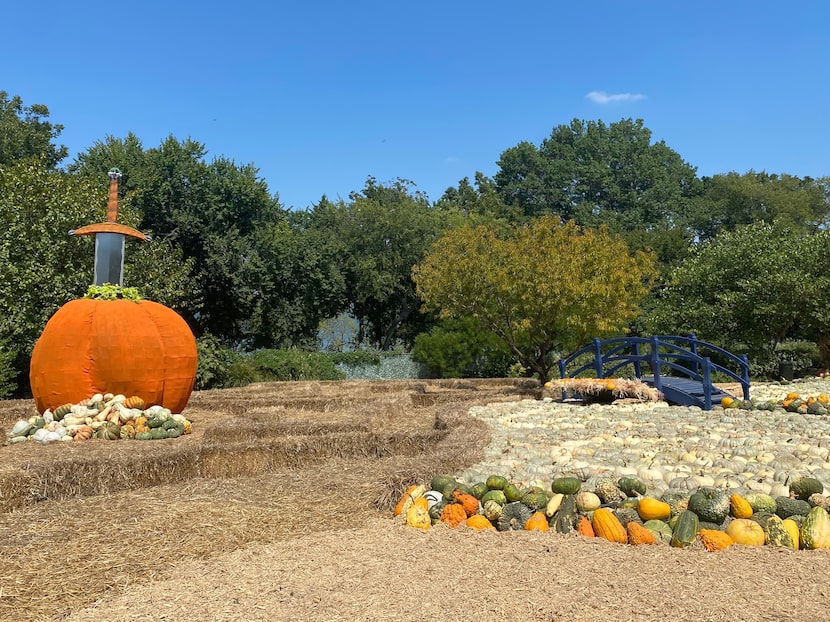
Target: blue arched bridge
(679, 367)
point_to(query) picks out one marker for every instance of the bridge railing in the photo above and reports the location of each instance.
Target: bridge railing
(662, 355)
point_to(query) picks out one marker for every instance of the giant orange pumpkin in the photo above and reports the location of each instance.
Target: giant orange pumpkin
(94, 346)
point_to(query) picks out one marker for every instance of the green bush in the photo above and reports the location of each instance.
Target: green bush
(802, 355)
(277, 365)
(461, 349)
(216, 362)
(7, 373)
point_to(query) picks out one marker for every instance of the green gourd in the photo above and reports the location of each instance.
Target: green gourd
(685, 529)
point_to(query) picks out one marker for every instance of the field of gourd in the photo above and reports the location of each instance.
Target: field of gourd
(622, 511)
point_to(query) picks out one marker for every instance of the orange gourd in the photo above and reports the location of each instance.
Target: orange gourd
(537, 522)
(453, 514)
(637, 534)
(84, 433)
(469, 502)
(479, 522)
(134, 402)
(714, 540)
(608, 526)
(136, 348)
(584, 527)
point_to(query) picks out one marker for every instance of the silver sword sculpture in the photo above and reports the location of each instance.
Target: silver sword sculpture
(109, 239)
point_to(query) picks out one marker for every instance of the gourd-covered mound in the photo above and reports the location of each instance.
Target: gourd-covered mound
(621, 511)
(606, 389)
(103, 416)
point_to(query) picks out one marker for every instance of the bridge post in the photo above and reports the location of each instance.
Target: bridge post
(598, 357)
(655, 362)
(745, 374)
(637, 369)
(707, 383)
(693, 350)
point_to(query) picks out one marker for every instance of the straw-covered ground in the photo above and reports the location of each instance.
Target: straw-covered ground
(278, 507)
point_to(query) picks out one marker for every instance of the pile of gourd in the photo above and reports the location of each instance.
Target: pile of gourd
(793, 403)
(621, 511)
(103, 416)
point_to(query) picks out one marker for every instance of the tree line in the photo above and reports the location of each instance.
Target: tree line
(597, 230)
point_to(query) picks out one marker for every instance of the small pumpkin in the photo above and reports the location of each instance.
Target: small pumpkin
(608, 526)
(714, 539)
(815, 530)
(793, 529)
(685, 529)
(61, 411)
(746, 532)
(496, 482)
(417, 514)
(514, 516)
(453, 514)
(134, 402)
(637, 534)
(537, 522)
(84, 433)
(478, 522)
(566, 485)
(109, 431)
(776, 534)
(587, 501)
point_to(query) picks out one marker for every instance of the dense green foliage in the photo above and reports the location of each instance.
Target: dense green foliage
(752, 289)
(25, 133)
(461, 348)
(742, 257)
(380, 233)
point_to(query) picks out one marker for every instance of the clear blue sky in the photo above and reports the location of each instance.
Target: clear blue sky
(320, 95)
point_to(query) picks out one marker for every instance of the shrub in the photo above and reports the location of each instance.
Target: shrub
(215, 363)
(7, 372)
(460, 349)
(291, 364)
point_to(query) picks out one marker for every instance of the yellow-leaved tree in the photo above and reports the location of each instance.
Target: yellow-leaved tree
(545, 288)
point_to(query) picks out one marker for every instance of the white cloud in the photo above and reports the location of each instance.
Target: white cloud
(601, 97)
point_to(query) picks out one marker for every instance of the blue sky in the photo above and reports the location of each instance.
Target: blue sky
(320, 95)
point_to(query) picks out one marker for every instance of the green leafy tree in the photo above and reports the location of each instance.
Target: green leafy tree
(25, 132)
(731, 200)
(598, 174)
(300, 284)
(748, 289)
(478, 202)
(545, 290)
(381, 232)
